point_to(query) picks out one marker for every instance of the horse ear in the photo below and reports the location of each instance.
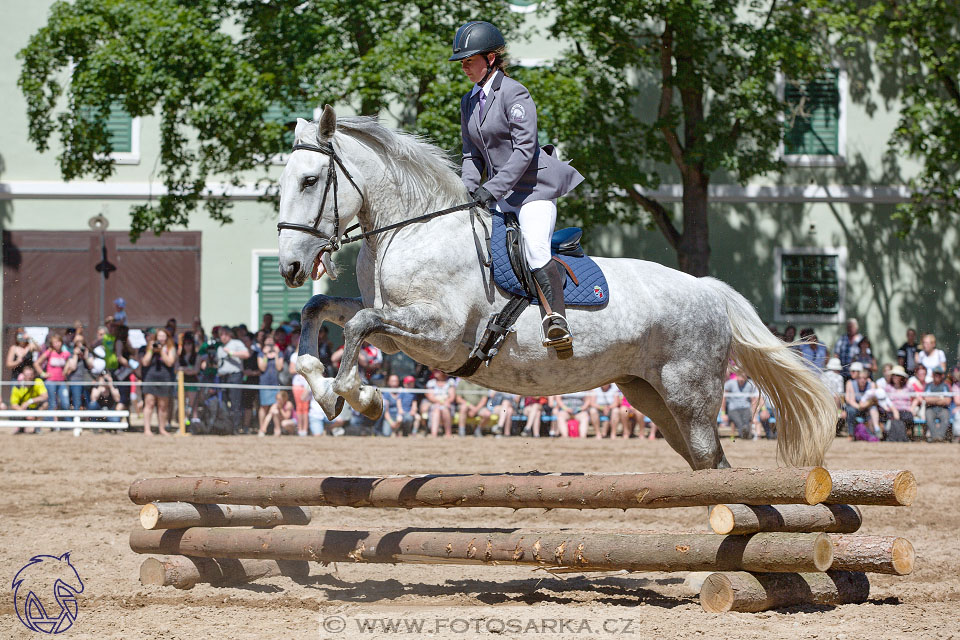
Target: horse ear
(328, 121)
(301, 126)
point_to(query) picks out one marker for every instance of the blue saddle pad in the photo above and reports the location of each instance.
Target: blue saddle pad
(591, 292)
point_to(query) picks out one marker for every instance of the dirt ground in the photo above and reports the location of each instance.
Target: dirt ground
(62, 493)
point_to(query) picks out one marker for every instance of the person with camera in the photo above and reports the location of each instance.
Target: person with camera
(78, 372)
(106, 397)
(270, 362)
(230, 356)
(158, 364)
(21, 354)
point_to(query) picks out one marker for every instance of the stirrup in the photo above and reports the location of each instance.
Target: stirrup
(561, 342)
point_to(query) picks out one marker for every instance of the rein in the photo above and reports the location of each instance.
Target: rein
(336, 240)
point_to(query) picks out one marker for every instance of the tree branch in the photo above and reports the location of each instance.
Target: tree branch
(660, 216)
(666, 97)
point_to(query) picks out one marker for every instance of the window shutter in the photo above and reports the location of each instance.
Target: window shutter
(288, 113)
(810, 285)
(120, 129)
(274, 295)
(815, 113)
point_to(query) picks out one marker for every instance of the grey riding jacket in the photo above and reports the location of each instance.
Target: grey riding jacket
(502, 146)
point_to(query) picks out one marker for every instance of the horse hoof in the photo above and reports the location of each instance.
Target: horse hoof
(375, 408)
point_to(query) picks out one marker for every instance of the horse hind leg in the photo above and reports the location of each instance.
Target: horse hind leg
(692, 435)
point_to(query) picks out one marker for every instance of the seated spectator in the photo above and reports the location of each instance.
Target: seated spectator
(917, 382)
(937, 414)
(533, 410)
(900, 428)
(79, 373)
(931, 357)
(884, 380)
(28, 396)
(392, 410)
(630, 418)
(282, 414)
(106, 397)
(865, 355)
(49, 366)
(441, 394)
(410, 402)
(908, 351)
(486, 409)
(812, 350)
(605, 405)
(834, 381)
(573, 415)
(740, 396)
(856, 406)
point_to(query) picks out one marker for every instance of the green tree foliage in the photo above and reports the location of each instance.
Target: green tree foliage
(685, 89)
(211, 69)
(916, 47)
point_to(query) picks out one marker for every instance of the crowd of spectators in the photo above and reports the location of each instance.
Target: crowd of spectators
(243, 381)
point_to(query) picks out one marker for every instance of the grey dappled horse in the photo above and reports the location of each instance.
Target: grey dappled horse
(664, 337)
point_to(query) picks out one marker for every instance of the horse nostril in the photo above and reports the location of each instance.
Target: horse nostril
(294, 269)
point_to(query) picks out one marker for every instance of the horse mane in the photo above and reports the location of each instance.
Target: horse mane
(416, 166)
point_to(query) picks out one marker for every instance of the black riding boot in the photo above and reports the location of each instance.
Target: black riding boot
(549, 282)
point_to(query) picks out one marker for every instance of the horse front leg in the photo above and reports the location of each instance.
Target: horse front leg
(408, 325)
(317, 310)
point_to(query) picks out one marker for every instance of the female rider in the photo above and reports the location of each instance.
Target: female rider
(498, 123)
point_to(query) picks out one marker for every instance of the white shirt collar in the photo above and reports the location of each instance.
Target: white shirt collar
(486, 86)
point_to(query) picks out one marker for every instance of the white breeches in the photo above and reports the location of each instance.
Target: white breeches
(537, 221)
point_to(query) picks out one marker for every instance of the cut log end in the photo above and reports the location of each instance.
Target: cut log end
(721, 519)
(823, 552)
(153, 572)
(819, 485)
(905, 488)
(903, 556)
(149, 516)
(753, 592)
(717, 594)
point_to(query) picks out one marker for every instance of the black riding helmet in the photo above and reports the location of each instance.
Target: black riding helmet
(476, 37)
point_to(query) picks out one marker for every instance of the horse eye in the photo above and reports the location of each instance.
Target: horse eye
(309, 181)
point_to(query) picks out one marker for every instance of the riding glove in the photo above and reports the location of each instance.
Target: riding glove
(485, 198)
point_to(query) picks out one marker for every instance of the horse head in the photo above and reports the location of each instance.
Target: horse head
(319, 196)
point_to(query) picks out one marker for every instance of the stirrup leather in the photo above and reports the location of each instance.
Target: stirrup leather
(547, 323)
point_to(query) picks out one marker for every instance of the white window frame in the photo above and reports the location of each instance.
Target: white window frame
(132, 156)
(835, 318)
(255, 281)
(806, 160)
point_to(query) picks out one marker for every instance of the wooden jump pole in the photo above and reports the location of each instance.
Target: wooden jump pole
(752, 592)
(785, 485)
(775, 552)
(889, 488)
(181, 409)
(873, 554)
(179, 515)
(742, 519)
(183, 573)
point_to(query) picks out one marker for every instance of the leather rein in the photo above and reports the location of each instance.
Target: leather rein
(335, 241)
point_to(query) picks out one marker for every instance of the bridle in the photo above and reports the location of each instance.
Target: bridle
(333, 242)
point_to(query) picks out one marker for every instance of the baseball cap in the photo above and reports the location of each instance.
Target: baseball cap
(408, 379)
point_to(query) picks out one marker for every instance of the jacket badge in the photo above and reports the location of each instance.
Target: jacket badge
(518, 113)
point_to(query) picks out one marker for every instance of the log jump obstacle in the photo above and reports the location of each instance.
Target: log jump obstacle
(782, 537)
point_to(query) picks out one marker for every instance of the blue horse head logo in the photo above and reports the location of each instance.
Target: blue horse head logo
(38, 608)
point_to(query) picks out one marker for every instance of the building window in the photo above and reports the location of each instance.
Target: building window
(815, 120)
(285, 115)
(272, 294)
(123, 133)
(810, 285)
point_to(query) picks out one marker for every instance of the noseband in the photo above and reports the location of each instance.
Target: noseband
(333, 242)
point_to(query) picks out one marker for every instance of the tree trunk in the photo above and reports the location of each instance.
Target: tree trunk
(784, 485)
(693, 248)
(775, 552)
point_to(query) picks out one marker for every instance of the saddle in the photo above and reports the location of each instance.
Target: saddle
(565, 242)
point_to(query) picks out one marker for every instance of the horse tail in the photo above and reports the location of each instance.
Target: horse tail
(806, 410)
